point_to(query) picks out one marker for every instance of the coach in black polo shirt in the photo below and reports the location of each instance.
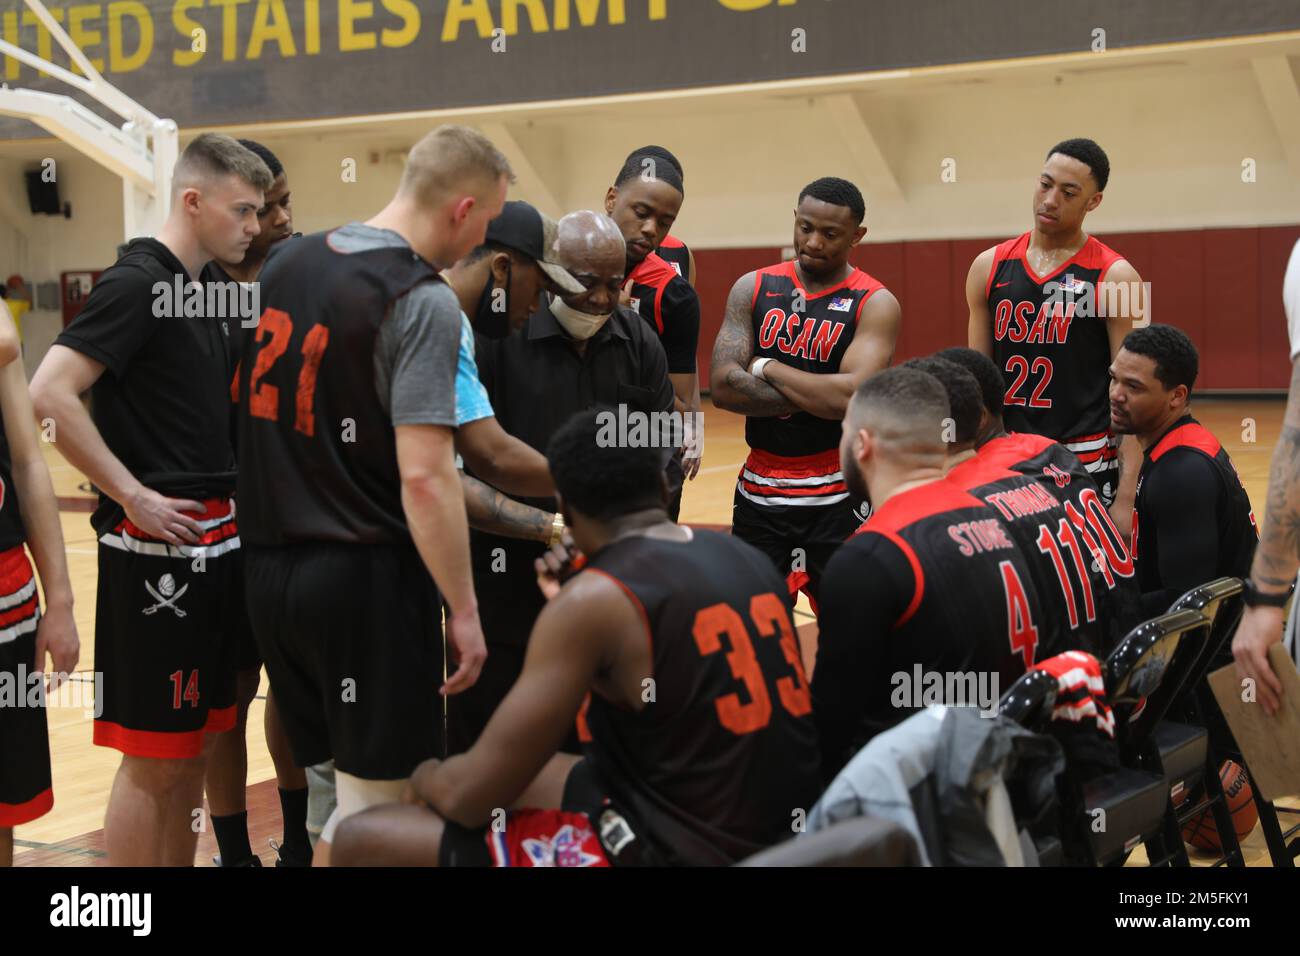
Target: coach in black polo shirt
(575, 352)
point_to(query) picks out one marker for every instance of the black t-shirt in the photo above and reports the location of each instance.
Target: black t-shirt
(163, 402)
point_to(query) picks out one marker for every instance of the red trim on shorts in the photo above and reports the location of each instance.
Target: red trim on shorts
(16, 814)
(212, 508)
(163, 745)
(797, 491)
(768, 465)
(15, 570)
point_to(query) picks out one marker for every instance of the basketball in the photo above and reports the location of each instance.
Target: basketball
(1200, 830)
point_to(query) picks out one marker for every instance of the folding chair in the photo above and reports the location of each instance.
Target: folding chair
(1144, 675)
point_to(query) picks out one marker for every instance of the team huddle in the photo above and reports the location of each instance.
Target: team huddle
(487, 638)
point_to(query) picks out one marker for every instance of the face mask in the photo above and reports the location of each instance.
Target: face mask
(579, 325)
(488, 322)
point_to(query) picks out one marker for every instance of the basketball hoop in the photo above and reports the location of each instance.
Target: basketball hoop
(142, 151)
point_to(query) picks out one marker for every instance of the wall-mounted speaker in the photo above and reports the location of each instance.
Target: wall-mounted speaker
(43, 196)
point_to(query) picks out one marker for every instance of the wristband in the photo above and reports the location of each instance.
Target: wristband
(756, 369)
(1253, 597)
(557, 530)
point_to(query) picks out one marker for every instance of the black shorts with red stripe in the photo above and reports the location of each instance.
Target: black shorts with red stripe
(797, 511)
(25, 792)
(168, 622)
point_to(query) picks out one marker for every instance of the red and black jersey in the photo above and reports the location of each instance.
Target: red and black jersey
(674, 252)
(12, 534)
(1055, 362)
(318, 457)
(794, 459)
(670, 305)
(933, 583)
(714, 766)
(1060, 554)
(1061, 474)
(1192, 520)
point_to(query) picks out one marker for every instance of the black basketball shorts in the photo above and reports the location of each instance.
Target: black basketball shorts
(166, 631)
(25, 791)
(352, 639)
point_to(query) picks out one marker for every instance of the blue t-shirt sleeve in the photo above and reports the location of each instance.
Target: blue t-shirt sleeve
(472, 402)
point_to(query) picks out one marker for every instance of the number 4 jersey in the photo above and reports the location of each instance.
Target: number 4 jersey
(723, 756)
(1051, 343)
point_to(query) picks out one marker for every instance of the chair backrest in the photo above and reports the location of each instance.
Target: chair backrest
(1220, 601)
(1029, 701)
(1140, 669)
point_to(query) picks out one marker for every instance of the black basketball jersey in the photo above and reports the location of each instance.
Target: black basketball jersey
(11, 520)
(958, 604)
(1060, 473)
(794, 459)
(674, 252)
(1060, 550)
(670, 306)
(1234, 519)
(318, 460)
(1054, 361)
(715, 766)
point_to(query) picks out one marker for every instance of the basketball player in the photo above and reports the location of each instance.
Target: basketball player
(578, 351)
(691, 765)
(1109, 578)
(932, 583)
(644, 201)
(227, 776)
(1192, 520)
(28, 513)
(669, 248)
(158, 449)
(1051, 308)
(1075, 601)
(798, 338)
(348, 488)
(1277, 559)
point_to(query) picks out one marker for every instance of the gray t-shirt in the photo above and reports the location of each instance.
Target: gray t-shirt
(416, 354)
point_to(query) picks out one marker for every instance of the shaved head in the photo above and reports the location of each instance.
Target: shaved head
(586, 238)
(904, 410)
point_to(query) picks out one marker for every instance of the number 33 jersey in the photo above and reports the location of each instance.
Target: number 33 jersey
(716, 763)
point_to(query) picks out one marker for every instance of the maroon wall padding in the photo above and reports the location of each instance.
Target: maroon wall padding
(1223, 287)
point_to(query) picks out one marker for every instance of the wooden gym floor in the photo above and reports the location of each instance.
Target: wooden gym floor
(71, 834)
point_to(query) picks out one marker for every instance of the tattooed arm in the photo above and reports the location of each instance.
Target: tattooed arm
(1277, 558)
(489, 510)
(734, 389)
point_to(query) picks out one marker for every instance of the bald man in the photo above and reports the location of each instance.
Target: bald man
(576, 351)
(930, 601)
(159, 450)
